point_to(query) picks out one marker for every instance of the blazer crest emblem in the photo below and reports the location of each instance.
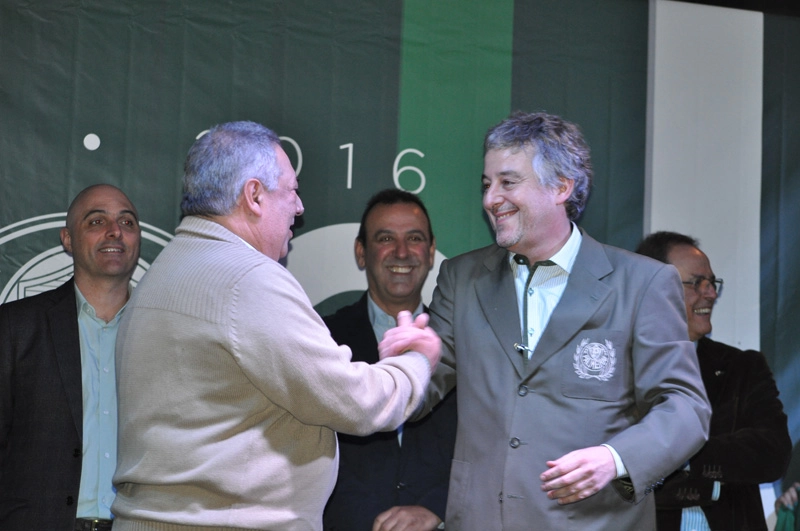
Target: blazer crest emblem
(595, 360)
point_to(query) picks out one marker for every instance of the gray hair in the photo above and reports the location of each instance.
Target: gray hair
(221, 161)
(559, 150)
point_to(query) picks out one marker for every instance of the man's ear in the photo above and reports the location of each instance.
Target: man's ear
(432, 252)
(361, 260)
(66, 240)
(564, 189)
(253, 195)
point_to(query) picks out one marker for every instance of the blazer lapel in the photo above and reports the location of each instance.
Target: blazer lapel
(63, 324)
(714, 368)
(360, 336)
(498, 300)
(584, 294)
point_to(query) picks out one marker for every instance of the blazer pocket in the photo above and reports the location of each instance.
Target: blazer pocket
(595, 366)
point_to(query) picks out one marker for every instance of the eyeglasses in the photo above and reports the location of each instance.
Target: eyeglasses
(700, 284)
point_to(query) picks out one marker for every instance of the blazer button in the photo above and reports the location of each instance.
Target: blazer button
(522, 390)
(70, 500)
(76, 452)
(401, 486)
(514, 443)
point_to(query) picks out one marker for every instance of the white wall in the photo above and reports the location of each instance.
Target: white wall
(704, 147)
(704, 152)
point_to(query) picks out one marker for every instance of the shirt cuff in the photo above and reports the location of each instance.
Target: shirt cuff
(622, 472)
(716, 492)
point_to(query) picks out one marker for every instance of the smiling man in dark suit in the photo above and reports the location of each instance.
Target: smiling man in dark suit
(749, 441)
(58, 425)
(398, 479)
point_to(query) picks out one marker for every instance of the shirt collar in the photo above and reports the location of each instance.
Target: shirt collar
(379, 317)
(86, 307)
(245, 242)
(564, 257)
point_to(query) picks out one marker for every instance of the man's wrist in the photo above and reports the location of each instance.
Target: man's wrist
(622, 472)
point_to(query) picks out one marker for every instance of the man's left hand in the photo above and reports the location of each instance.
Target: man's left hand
(406, 518)
(579, 474)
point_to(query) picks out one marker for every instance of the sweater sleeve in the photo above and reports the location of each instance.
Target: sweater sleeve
(285, 349)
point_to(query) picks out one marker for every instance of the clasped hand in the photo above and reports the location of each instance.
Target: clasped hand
(411, 334)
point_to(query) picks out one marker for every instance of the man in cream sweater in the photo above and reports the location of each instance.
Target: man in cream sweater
(230, 386)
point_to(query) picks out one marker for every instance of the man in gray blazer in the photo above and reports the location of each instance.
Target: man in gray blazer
(578, 387)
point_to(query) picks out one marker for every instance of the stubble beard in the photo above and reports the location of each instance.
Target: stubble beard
(507, 239)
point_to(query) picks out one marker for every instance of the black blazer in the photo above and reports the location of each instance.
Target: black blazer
(41, 412)
(748, 444)
(375, 472)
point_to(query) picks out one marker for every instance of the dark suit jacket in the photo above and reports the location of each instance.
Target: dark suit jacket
(375, 472)
(749, 444)
(41, 412)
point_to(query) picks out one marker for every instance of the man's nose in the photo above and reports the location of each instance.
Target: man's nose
(711, 291)
(490, 198)
(401, 248)
(114, 229)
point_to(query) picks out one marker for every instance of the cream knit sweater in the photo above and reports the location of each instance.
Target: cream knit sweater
(230, 391)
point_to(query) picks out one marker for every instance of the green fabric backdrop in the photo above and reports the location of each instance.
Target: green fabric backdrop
(353, 84)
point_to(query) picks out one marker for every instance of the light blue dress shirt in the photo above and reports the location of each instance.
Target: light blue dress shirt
(99, 410)
(381, 322)
(693, 518)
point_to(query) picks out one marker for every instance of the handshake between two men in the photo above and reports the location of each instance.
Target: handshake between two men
(411, 334)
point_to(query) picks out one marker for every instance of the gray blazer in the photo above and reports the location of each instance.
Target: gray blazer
(614, 365)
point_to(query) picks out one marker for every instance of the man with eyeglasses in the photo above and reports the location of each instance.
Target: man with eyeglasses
(749, 440)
